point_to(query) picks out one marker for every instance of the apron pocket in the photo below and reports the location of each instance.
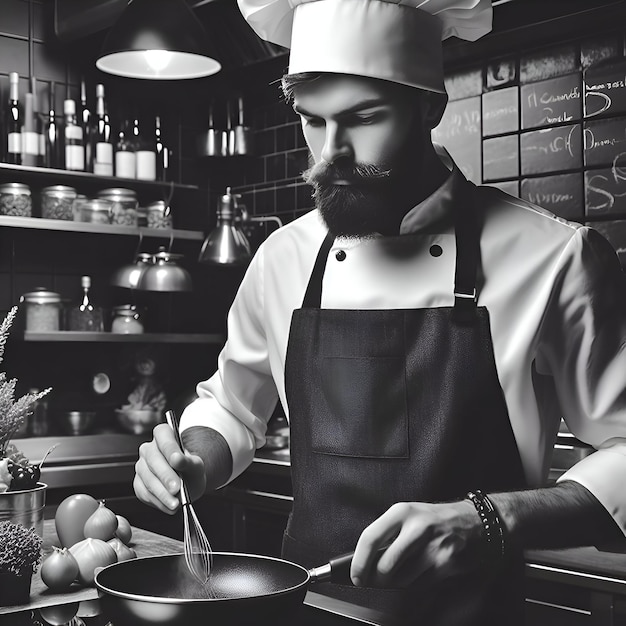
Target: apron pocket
(363, 412)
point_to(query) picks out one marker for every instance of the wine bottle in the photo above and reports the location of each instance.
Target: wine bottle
(39, 122)
(103, 148)
(85, 316)
(162, 153)
(52, 154)
(125, 161)
(30, 138)
(13, 121)
(145, 152)
(85, 123)
(73, 135)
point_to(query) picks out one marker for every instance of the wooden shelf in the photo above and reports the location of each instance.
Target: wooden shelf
(87, 177)
(96, 337)
(38, 223)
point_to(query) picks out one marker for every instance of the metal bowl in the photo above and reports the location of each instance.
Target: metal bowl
(138, 421)
(77, 422)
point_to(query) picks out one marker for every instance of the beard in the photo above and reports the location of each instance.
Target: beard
(352, 210)
(373, 201)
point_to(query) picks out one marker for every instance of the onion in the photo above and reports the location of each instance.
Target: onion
(124, 531)
(89, 554)
(59, 569)
(124, 553)
(102, 524)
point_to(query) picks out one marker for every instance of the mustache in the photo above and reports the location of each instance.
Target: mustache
(325, 174)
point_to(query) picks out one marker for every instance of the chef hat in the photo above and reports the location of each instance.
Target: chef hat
(395, 40)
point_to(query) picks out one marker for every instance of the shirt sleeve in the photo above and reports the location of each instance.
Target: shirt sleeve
(582, 346)
(240, 397)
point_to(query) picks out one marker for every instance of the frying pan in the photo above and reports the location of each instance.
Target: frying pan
(242, 589)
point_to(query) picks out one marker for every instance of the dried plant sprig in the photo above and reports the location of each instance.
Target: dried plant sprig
(20, 549)
(4, 329)
(13, 412)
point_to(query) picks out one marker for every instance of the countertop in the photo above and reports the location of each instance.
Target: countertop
(84, 457)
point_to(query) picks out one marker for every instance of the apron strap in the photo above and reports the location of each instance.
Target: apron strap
(313, 294)
(467, 234)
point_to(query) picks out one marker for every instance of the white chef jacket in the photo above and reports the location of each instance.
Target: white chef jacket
(556, 298)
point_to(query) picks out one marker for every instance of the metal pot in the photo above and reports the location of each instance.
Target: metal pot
(24, 507)
(242, 589)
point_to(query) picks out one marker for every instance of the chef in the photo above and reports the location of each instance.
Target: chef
(425, 337)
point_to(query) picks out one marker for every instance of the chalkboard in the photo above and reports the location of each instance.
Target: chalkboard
(508, 186)
(551, 149)
(615, 232)
(501, 157)
(605, 190)
(561, 194)
(501, 111)
(554, 101)
(605, 88)
(604, 141)
(460, 133)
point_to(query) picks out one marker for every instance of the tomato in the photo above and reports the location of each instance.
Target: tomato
(89, 554)
(101, 524)
(71, 516)
(124, 531)
(59, 569)
(124, 553)
(59, 613)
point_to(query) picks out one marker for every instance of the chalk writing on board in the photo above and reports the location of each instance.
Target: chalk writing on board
(546, 198)
(461, 123)
(605, 188)
(460, 132)
(591, 142)
(554, 101)
(561, 194)
(494, 114)
(545, 101)
(561, 143)
(604, 103)
(605, 89)
(551, 149)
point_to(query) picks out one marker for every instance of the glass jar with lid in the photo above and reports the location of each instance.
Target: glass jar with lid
(16, 200)
(94, 210)
(43, 310)
(126, 320)
(158, 215)
(124, 205)
(57, 202)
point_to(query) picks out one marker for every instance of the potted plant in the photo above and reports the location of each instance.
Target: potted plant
(22, 496)
(20, 553)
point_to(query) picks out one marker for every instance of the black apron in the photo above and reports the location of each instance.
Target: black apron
(399, 405)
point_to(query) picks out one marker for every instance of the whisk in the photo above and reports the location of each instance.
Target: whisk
(198, 553)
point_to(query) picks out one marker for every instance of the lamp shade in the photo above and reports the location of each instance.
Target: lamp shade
(128, 276)
(225, 245)
(158, 40)
(165, 274)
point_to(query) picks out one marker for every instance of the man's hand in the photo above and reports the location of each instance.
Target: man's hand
(157, 471)
(433, 540)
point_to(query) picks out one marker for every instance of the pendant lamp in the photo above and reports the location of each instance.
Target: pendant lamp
(227, 244)
(164, 274)
(128, 276)
(157, 40)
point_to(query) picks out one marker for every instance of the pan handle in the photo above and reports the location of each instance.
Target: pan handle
(337, 570)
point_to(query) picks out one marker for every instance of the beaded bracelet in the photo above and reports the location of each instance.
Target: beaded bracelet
(492, 525)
